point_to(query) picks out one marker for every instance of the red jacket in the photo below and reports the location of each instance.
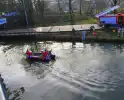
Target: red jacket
(29, 53)
(44, 54)
(94, 33)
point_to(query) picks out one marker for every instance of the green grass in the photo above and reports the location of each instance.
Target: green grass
(78, 21)
(87, 21)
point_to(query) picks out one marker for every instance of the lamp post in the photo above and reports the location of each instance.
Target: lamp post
(26, 16)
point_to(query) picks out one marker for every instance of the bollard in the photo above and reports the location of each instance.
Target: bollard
(119, 31)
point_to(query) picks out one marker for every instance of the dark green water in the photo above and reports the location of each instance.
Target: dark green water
(81, 72)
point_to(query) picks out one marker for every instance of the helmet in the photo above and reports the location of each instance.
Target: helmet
(43, 50)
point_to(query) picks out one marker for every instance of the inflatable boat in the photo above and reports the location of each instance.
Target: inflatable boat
(39, 56)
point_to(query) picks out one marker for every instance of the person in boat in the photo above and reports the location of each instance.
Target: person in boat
(45, 52)
(29, 53)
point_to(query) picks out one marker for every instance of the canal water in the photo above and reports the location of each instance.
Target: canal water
(81, 71)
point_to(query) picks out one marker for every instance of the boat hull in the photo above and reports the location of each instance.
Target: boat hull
(37, 57)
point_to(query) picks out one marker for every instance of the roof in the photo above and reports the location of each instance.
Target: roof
(112, 15)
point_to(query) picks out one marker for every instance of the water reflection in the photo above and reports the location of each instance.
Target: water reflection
(80, 72)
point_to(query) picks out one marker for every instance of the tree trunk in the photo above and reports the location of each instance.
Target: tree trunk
(59, 6)
(115, 3)
(80, 7)
(70, 11)
(42, 11)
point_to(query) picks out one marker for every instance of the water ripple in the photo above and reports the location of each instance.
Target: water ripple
(85, 72)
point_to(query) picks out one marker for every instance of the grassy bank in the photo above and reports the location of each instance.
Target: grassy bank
(77, 19)
(77, 22)
(87, 21)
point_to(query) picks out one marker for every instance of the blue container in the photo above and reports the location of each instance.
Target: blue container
(108, 20)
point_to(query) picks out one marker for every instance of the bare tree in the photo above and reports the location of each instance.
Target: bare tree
(40, 6)
(71, 11)
(80, 7)
(114, 3)
(11, 5)
(59, 6)
(2, 5)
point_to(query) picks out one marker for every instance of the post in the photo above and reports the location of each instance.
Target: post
(26, 16)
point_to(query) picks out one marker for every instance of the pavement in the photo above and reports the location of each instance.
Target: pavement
(55, 28)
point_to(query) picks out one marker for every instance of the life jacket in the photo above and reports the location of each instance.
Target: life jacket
(94, 33)
(45, 53)
(29, 53)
